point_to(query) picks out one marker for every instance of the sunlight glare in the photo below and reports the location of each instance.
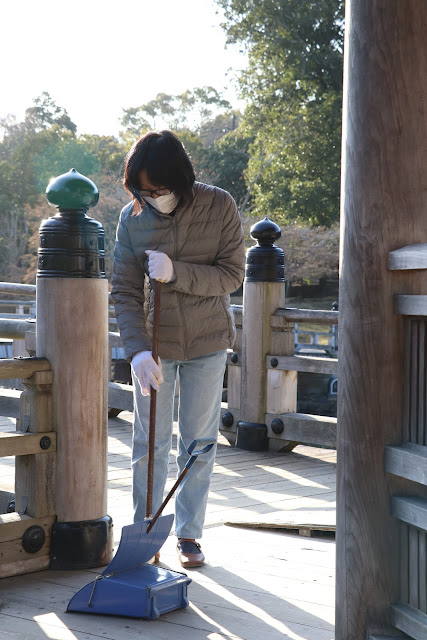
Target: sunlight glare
(58, 630)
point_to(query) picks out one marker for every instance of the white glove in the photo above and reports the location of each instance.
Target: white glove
(149, 374)
(160, 266)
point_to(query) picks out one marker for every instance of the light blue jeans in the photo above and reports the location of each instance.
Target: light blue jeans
(200, 388)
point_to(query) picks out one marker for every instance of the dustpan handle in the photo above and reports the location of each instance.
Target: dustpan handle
(153, 399)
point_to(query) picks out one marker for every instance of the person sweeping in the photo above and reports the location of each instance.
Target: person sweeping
(187, 236)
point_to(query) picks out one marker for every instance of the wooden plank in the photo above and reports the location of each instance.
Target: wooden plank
(304, 427)
(404, 562)
(422, 571)
(281, 391)
(22, 443)
(409, 620)
(407, 461)
(407, 380)
(410, 305)
(14, 525)
(22, 367)
(120, 396)
(13, 329)
(376, 637)
(13, 557)
(238, 314)
(234, 383)
(414, 385)
(421, 382)
(414, 596)
(303, 315)
(25, 565)
(14, 288)
(411, 510)
(413, 256)
(35, 477)
(304, 363)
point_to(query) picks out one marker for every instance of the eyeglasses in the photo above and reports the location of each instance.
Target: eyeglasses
(156, 192)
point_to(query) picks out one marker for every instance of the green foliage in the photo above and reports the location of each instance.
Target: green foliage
(189, 110)
(293, 86)
(224, 164)
(45, 112)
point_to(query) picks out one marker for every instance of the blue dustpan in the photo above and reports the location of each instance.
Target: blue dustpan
(130, 587)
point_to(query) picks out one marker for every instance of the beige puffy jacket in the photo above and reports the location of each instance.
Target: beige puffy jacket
(204, 240)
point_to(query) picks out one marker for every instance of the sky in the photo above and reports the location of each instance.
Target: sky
(97, 57)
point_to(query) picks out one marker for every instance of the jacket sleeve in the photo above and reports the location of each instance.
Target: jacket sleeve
(128, 293)
(227, 273)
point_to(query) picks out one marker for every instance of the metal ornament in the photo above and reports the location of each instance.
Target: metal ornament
(265, 262)
(71, 243)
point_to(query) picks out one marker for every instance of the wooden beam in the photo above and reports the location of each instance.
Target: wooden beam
(409, 620)
(413, 256)
(35, 474)
(22, 367)
(318, 316)
(411, 510)
(22, 289)
(22, 443)
(26, 564)
(14, 525)
(304, 363)
(14, 329)
(408, 461)
(120, 396)
(410, 305)
(305, 428)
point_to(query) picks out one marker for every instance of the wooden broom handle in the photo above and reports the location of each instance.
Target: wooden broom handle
(153, 398)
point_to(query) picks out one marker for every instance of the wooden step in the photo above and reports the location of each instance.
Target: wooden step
(407, 461)
(409, 620)
(411, 510)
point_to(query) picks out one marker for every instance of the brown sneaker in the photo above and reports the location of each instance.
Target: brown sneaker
(190, 553)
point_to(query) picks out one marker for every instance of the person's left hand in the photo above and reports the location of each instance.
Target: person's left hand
(160, 266)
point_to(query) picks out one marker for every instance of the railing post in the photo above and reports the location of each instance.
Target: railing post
(72, 333)
(263, 293)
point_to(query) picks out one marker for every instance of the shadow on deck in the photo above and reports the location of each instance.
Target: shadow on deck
(257, 583)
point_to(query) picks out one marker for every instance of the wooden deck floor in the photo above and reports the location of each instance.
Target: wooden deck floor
(256, 585)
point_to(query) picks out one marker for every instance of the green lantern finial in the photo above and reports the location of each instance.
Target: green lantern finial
(72, 191)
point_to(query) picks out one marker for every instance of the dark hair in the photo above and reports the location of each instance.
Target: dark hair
(166, 162)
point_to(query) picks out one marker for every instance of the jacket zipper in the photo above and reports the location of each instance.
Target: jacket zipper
(181, 314)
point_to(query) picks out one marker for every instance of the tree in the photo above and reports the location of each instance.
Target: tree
(293, 87)
(188, 110)
(46, 113)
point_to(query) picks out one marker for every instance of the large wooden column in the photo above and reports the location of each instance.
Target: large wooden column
(384, 207)
(72, 333)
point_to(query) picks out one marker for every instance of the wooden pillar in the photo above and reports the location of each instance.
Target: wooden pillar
(263, 293)
(384, 200)
(72, 333)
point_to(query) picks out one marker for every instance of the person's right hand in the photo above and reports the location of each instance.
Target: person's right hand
(149, 373)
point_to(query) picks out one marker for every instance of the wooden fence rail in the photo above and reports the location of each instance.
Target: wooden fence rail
(281, 369)
(25, 533)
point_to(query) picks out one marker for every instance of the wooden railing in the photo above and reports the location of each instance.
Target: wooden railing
(25, 533)
(286, 427)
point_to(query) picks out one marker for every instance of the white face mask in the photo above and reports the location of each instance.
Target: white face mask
(164, 204)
